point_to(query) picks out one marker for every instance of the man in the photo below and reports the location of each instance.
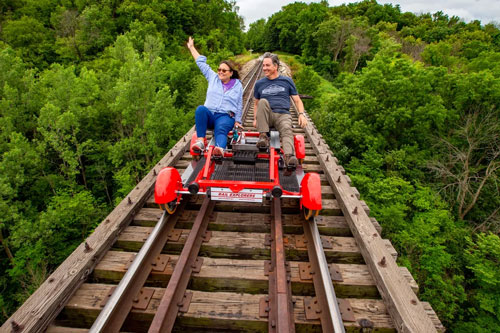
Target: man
(272, 107)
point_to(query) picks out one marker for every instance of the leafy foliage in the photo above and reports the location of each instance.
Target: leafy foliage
(92, 95)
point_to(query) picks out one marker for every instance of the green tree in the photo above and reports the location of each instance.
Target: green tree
(31, 39)
(482, 257)
(256, 35)
(332, 36)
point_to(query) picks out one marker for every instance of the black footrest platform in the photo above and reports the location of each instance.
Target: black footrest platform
(244, 157)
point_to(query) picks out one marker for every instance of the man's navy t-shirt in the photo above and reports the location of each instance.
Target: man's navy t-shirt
(277, 92)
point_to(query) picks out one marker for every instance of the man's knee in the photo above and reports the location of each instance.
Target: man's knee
(263, 103)
(284, 124)
(263, 106)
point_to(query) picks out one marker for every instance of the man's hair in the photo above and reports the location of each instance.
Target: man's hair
(273, 57)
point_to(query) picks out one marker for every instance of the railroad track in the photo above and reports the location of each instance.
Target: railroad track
(226, 266)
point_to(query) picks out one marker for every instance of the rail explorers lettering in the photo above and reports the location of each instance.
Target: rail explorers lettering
(238, 195)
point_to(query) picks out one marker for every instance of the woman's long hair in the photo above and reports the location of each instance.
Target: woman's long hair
(232, 68)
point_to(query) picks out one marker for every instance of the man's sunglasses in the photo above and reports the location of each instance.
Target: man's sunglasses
(223, 70)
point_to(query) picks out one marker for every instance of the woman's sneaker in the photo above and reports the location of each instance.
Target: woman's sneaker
(198, 147)
(218, 152)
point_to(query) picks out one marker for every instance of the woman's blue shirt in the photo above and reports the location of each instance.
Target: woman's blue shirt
(217, 100)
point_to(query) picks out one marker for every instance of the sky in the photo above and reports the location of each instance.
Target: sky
(484, 10)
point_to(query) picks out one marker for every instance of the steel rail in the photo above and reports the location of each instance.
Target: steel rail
(116, 310)
(331, 318)
(254, 75)
(281, 315)
(254, 71)
(166, 313)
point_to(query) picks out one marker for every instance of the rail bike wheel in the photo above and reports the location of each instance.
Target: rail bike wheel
(308, 213)
(170, 207)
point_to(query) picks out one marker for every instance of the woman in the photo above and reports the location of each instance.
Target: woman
(223, 105)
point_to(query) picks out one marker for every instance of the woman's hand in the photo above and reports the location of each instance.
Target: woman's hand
(238, 125)
(192, 49)
(190, 42)
(255, 123)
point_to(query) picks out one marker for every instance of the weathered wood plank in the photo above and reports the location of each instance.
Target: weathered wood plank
(44, 304)
(243, 276)
(223, 310)
(245, 245)
(257, 222)
(60, 329)
(289, 206)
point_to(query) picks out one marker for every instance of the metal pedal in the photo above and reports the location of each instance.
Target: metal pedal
(281, 163)
(217, 159)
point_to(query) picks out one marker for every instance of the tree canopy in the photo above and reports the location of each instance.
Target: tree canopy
(410, 105)
(92, 95)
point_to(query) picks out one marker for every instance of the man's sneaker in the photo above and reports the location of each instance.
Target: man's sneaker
(198, 147)
(263, 142)
(218, 152)
(291, 161)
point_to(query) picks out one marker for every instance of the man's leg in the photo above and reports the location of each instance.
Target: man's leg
(264, 120)
(263, 116)
(283, 123)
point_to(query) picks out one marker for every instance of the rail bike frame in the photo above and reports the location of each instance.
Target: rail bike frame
(170, 186)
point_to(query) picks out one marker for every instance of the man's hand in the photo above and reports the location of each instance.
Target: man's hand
(302, 120)
(238, 125)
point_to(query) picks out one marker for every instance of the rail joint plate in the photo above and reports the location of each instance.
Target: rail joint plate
(267, 267)
(305, 271)
(264, 307)
(312, 308)
(335, 273)
(196, 266)
(160, 263)
(346, 310)
(185, 302)
(300, 241)
(175, 235)
(142, 300)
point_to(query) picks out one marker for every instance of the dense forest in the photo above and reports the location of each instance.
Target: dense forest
(93, 93)
(410, 105)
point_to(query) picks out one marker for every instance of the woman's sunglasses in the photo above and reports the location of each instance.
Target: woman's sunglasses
(223, 70)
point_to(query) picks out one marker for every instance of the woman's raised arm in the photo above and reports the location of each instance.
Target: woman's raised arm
(192, 49)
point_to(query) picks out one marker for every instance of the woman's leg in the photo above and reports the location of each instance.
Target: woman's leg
(203, 119)
(223, 124)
